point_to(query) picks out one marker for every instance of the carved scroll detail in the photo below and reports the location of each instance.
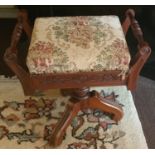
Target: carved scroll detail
(81, 79)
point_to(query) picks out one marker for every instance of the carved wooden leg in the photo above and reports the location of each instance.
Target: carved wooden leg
(79, 96)
(59, 131)
(84, 99)
(106, 104)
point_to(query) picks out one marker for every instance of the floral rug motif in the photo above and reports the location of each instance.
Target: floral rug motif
(26, 122)
(95, 123)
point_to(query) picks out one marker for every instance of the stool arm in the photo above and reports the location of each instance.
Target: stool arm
(22, 24)
(144, 49)
(130, 21)
(10, 58)
(23, 19)
(137, 64)
(136, 29)
(12, 51)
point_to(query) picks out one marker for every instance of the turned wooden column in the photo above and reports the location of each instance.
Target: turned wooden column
(79, 94)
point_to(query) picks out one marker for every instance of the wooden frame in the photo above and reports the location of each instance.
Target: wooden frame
(80, 81)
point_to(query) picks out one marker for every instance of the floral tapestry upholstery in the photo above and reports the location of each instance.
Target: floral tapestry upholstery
(77, 44)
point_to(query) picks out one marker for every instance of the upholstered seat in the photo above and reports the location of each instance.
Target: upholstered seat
(74, 44)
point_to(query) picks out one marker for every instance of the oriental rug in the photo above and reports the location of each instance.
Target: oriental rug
(27, 121)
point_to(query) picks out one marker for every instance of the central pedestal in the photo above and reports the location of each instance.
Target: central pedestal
(81, 99)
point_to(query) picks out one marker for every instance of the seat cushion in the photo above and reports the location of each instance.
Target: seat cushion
(77, 44)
